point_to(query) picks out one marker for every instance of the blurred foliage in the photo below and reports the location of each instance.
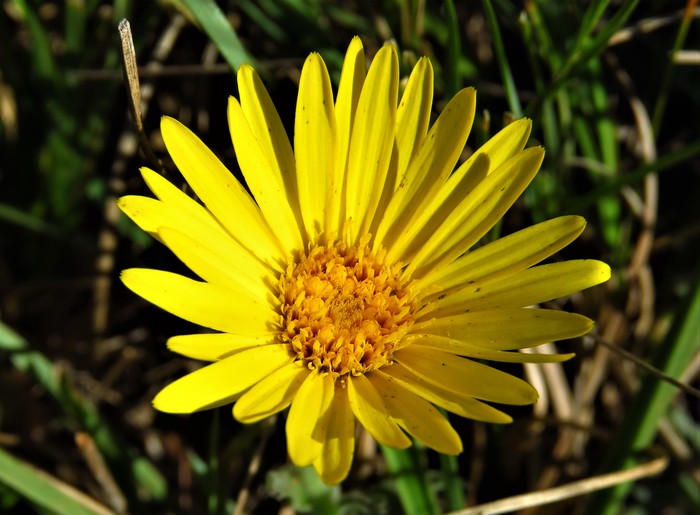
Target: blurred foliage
(613, 99)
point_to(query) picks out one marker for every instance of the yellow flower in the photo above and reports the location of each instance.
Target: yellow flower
(348, 287)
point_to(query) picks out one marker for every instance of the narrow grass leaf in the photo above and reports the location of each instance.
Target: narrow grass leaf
(594, 46)
(213, 21)
(45, 490)
(409, 479)
(502, 59)
(454, 491)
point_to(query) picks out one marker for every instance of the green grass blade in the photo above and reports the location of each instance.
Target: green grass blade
(589, 50)
(590, 21)
(454, 491)
(75, 20)
(273, 30)
(214, 23)
(652, 401)
(547, 118)
(416, 496)
(608, 205)
(45, 490)
(42, 55)
(20, 218)
(502, 59)
(662, 99)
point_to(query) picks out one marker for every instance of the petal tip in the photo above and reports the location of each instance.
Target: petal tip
(579, 221)
(126, 275)
(531, 395)
(170, 128)
(166, 404)
(168, 121)
(355, 47)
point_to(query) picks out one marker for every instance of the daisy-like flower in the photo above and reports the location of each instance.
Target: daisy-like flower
(349, 287)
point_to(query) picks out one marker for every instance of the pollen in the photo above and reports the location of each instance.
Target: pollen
(343, 309)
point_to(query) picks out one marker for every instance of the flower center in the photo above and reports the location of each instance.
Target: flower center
(344, 309)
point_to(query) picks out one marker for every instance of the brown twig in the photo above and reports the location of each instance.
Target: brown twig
(686, 388)
(96, 463)
(126, 148)
(648, 25)
(574, 489)
(133, 89)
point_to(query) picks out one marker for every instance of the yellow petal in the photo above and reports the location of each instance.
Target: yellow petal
(221, 382)
(265, 180)
(222, 193)
(314, 147)
(532, 286)
(267, 127)
(508, 328)
(212, 263)
(177, 199)
(477, 213)
(151, 214)
(369, 409)
(461, 405)
(506, 255)
(306, 426)
(461, 348)
(505, 144)
(488, 157)
(352, 77)
(416, 415)
(215, 346)
(464, 376)
(372, 141)
(430, 168)
(335, 459)
(272, 394)
(208, 305)
(484, 161)
(413, 114)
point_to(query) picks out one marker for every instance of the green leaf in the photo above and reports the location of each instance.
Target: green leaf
(214, 23)
(304, 490)
(45, 490)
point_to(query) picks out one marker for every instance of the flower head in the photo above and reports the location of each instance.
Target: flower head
(348, 286)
